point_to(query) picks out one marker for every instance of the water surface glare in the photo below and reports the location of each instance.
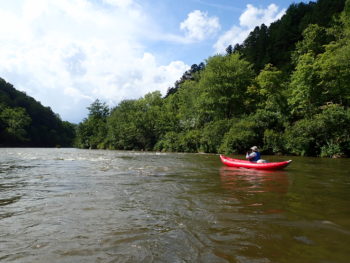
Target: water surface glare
(70, 205)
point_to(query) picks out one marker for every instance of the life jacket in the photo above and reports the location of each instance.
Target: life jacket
(257, 157)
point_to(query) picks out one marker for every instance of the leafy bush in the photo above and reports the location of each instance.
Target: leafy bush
(331, 150)
(213, 134)
(190, 141)
(325, 134)
(273, 141)
(240, 137)
(169, 142)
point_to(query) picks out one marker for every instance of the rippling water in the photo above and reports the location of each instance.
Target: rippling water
(69, 205)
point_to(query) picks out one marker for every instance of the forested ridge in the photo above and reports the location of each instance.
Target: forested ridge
(286, 89)
(25, 122)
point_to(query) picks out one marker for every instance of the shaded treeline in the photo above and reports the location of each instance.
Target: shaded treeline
(25, 122)
(285, 89)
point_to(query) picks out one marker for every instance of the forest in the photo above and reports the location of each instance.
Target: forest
(24, 122)
(286, 89)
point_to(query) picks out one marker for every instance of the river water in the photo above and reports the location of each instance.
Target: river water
(70, 205)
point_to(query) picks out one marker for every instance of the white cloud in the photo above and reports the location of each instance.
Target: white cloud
(67, 53)
(119, 3)
(249, 19)
(253, 16)
(198, 26)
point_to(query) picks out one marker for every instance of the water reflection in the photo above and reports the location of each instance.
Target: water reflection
(258, 192)
(8, 201)
(11, 185)
(249, 180)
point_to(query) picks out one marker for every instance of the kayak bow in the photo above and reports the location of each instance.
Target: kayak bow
(252, 165)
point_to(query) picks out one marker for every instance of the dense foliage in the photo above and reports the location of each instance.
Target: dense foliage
(25, 122)
(285, 89)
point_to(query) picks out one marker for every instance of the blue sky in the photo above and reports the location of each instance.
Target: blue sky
(67, 53)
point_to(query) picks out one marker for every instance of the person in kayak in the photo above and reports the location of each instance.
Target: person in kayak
(254, 156)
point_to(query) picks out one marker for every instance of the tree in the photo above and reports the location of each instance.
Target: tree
(98, 110)
(222, 87)
(136, 124)
(241, 134)
(333, 70)
(14, 121)
(229, 50)
(322, 72)
(268, 90)
(212, 135)
(188, 75)
(254, 47)
(92, 132)
(305, 93)
(324, 134)
(315, 38)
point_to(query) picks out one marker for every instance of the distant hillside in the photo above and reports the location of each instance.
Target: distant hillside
(25, 122)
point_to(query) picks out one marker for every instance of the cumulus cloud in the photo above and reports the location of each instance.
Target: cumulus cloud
(198, 26)
(249, 19)
(67, 53)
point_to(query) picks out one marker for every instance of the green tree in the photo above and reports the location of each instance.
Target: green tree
(325, 134)
(268, 91)
(241, 134)
(188, 106)
(306, 95)
(122, 130)
(148, 121)
(136, 124)
(333, 69)
(169, 142)
(212, 135)
(254, 48)
(314, 39)
(223, 86)
(98, 110)
(322, 78)
(92, 132)
(14, 122)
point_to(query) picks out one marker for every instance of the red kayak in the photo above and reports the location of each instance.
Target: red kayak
(251, 165)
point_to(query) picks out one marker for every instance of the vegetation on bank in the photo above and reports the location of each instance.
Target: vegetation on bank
(286, 89)
(25, 122)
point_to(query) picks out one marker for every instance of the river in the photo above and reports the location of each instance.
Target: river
(71, 205)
